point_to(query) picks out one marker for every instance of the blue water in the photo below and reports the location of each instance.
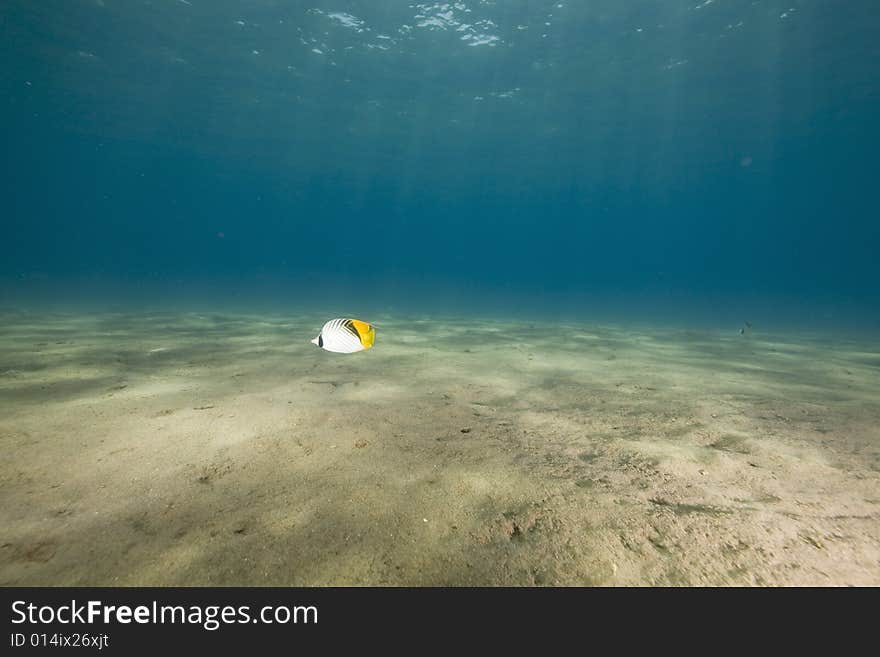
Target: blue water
(644, 158)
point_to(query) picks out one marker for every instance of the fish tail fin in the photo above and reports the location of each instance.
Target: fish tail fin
(365, 331)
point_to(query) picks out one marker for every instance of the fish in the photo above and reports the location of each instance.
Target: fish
(345, 336)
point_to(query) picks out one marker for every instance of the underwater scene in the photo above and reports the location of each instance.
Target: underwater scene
(479, 293)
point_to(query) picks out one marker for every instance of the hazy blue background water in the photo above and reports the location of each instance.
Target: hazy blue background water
(640, 157)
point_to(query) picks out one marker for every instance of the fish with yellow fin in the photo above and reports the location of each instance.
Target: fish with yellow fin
(346, 336)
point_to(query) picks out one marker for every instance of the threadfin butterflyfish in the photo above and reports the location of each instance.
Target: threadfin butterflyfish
(346, 336)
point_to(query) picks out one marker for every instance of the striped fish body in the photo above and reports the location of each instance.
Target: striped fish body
(345, 336)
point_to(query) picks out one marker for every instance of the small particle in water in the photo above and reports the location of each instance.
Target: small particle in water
(28, 83)
(221, 235)
(746, 161)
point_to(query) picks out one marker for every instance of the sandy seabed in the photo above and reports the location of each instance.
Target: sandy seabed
(206, 449)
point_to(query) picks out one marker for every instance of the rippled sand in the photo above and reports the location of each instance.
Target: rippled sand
(185, 449)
